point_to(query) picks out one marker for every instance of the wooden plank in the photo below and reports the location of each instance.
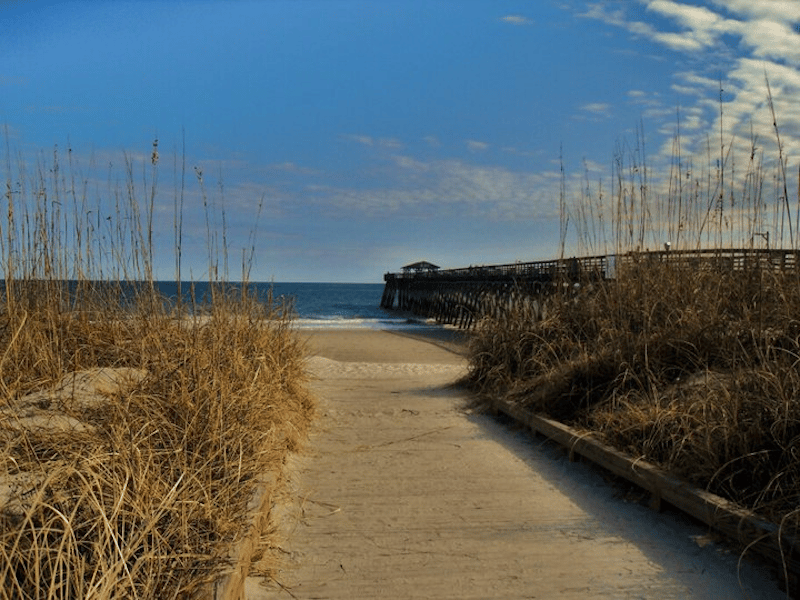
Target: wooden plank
(230, 586)
(727, 517)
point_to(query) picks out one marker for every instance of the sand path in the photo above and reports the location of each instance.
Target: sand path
(404, 493)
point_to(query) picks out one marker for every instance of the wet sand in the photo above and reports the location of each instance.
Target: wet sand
(404, 492)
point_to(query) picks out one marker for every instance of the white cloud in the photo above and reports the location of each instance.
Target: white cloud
(516, 20)
(517, 152)
(699, 27)
(678, 41)
(773, 40)
(390, 143)
(406, 162)
(596, 10)
(702, 25)
(750, 104)
(594, 167)
(739, 40)
(685, 90)
(693, 121)
(452, 188)
(775, 9)
(659, 113)
(699, 80)
(652, 103)
(370, 141)
(618, 18)
(597, 108)
(476, 146)
(765, 27)
(364, 140)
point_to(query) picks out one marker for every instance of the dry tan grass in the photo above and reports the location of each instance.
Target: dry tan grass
(137, 490)
(148, 501)
(694, 367)
(698, 371)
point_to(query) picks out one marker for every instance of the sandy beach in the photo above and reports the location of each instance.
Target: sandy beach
(404, 492)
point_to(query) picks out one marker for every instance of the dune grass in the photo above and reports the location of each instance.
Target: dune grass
(144, 493)
(695, 367)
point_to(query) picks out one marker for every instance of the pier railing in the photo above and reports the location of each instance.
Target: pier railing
(535, 269)
(736, 259)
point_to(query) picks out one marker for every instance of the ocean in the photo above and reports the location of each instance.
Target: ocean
(326, 305)
(341, 306)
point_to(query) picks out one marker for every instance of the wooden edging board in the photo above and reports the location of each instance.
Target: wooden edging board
(727, 517)
(230, 586)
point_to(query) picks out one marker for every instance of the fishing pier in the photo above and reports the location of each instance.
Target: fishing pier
(462, 296)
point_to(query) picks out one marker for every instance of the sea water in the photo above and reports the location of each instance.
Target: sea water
(323, 305)
(342, 306)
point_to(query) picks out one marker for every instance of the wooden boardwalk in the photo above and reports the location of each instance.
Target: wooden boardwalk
(404, 493)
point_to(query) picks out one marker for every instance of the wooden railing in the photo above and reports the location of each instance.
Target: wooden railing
(605, 266)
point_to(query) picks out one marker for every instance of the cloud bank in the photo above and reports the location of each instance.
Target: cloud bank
(726, 50)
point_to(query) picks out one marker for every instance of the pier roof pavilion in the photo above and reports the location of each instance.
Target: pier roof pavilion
(420, 267)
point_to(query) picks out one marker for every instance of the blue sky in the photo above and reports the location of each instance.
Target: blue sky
(377, 133)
